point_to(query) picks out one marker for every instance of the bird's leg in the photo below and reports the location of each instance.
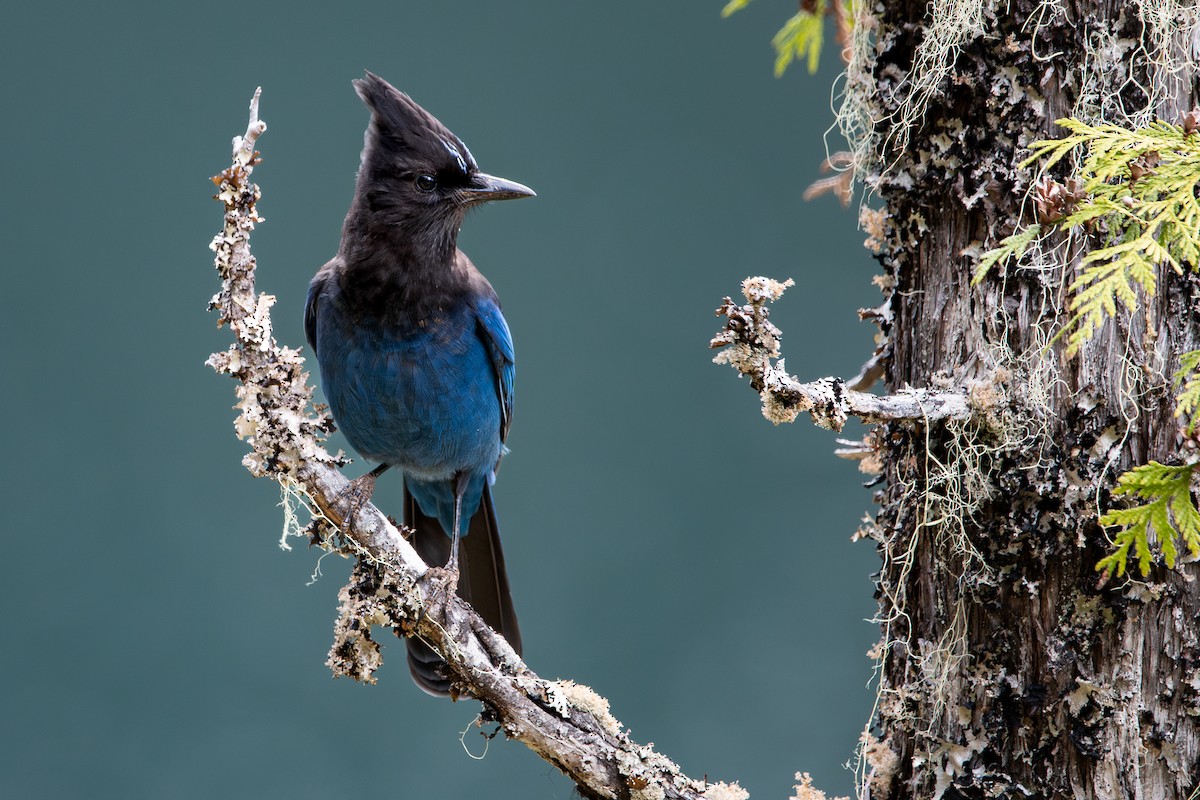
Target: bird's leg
(444, 580)
(460, 488)
(358, 494)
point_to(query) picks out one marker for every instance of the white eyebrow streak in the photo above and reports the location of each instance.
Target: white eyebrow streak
(470, 158)
(462, 164)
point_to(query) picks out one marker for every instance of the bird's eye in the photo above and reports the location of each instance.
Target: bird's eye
(426, 183)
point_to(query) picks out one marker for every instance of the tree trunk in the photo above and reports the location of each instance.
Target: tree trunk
(1006, 669)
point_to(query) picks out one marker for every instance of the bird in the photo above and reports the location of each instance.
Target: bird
(415, 356)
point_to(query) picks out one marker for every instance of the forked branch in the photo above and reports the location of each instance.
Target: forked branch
(749, 343)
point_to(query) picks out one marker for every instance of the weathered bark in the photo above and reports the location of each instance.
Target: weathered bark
(1006, 669)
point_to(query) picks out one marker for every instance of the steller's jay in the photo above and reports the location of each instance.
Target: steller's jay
(416, 358)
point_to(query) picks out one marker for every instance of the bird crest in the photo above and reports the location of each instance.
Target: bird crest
(398, 123)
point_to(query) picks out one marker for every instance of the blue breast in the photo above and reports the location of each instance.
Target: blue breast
(420, 396)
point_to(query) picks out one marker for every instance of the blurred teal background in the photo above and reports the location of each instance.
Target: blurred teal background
(667, 545)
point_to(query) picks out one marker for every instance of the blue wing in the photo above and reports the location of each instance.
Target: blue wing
(493, 330)
(310, 309)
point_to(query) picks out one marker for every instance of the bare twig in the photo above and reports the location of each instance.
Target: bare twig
(750, 345)
(566, 724)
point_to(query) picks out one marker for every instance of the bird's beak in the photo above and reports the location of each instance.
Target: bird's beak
(485, 188)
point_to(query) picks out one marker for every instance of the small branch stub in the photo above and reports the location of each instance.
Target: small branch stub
(749, 343)
(243, 146)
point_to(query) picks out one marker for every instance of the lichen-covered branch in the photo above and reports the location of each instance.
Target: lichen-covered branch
(750, 343)
(566, 724)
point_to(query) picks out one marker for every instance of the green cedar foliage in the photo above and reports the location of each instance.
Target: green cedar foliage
(1138, 193)
(1187, 380)
(800, 37)
(1136, 190)
(1168, 512)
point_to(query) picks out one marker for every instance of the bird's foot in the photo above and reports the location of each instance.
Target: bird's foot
(354, 497)
(438, 583)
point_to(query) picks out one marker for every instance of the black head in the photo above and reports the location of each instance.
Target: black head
(416, 174)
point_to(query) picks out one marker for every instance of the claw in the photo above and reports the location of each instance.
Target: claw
(358, 494)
